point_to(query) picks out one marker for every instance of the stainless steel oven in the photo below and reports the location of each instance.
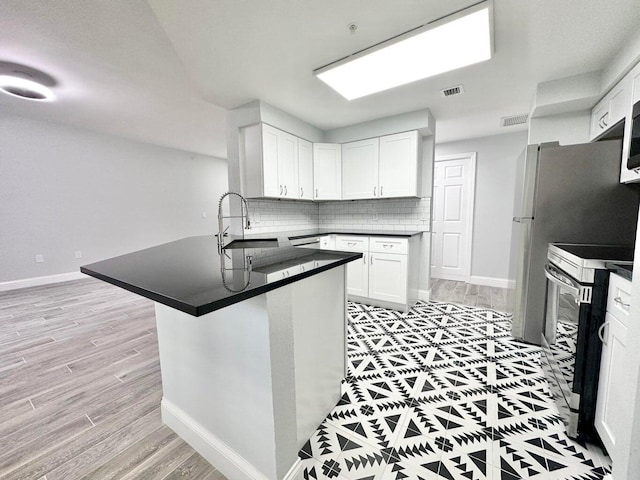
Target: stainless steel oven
(577, 283)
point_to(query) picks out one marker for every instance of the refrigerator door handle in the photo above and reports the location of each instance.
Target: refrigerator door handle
(521, 219)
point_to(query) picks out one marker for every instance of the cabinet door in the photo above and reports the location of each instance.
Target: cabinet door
(619, 102)
(305, 170)
(360, 169)
(270, 146)
(610, 414)
(388, 277)
(327, 171)
(398, 166)
(358, 277)
(328, 242)
(287, 165)
(597, 116)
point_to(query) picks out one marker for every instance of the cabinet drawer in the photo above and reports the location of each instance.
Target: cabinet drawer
(284, 273)
(619, 298)
(389, 245)
(352, 244)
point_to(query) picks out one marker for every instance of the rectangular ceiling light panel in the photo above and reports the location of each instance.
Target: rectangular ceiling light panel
(425, 52)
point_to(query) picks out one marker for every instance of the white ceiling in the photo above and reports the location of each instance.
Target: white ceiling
(164, 71)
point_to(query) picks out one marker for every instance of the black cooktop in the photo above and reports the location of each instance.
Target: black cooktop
(613, 253)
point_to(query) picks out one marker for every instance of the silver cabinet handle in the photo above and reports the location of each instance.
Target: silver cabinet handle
(601, 332)
(605, 118)
(316, 193)
(374, 191)
(280, 189)
(301, 192)
(619, 301)
(351, 244)
(285, 190)
(364, 258)
(387, 245)
(371, 259)
(284, 275)
(381, 187)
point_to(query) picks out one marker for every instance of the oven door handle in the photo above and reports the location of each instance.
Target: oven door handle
(573, 287)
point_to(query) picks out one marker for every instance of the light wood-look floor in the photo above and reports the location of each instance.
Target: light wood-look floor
(469, 294)
(80, 388)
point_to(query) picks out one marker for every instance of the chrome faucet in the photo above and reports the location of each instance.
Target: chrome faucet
(244, 214)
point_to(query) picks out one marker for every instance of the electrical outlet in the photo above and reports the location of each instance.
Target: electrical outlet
(78, 254)
(374, 217)
(424, 218)
(39, 258)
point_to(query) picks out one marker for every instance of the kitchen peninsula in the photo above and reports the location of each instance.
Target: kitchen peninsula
(251, 342)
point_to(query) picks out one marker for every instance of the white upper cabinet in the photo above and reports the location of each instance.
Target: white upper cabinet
(327, 171)
(611, 109)
(398, 165)
(287, 165)
(305, 170)
(270, 162)
(383, 167)
(277, 164)
(360, 169)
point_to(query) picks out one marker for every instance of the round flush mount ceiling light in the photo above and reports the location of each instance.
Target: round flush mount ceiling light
(25, 82)
(24, 88)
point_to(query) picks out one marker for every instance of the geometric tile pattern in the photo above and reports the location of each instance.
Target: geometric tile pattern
(443, 392)
(564, 350)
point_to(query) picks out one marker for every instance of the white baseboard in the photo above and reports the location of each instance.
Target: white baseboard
(492, 281)
(424, 295)
(231, 464)
(36, 281)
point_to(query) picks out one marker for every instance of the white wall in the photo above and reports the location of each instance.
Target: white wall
(567, 128)
(64, 189)
(494, 195)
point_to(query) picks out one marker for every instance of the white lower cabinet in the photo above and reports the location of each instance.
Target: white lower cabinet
(386, 275)
(328, 242)
(358, 270)
(612, 388)
(283, 273)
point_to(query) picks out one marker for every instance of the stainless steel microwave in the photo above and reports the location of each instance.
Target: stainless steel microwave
(634, 150)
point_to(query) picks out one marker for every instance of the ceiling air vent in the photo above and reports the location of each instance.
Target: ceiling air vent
(451, 91)
(514, 120)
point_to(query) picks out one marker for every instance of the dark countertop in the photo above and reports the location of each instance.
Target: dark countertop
(187, 274)
(625, 271)
(300, 234)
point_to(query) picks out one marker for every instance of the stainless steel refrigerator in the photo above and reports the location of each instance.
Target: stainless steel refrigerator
(568, 194)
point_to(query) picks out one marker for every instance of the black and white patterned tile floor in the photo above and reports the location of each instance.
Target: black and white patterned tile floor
(443, 392)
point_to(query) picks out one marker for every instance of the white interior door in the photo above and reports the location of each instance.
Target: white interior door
(452, 223)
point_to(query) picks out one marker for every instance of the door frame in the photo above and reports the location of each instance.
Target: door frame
(471, 156)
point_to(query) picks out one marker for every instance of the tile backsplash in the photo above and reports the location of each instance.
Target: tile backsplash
(269, 216)
(402, 214)
(399, 214)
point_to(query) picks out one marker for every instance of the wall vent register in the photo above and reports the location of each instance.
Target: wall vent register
(449, 92)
